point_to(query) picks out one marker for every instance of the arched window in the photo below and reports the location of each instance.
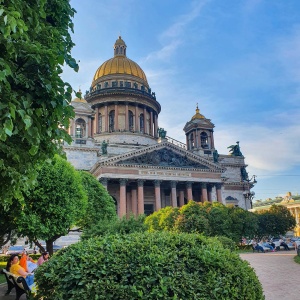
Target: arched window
(204, 140)
(192, 140)
(130, 121)
(142, 123)
(111, 120)
(80, 128)
(99, 123)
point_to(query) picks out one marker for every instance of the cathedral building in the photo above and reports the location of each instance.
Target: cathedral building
(117, 138)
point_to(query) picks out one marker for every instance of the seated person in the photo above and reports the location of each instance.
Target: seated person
(27, 263)
(267, 245)
(256, 246)
(43, 258)
(282, 243)
(14, 267)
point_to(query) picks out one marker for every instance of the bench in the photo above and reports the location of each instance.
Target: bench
(17, 282)
(266, 249)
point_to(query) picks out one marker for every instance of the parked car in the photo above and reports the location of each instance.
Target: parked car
(17, 249)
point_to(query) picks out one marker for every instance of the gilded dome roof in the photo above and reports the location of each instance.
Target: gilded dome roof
(197, 114)
(120, 64)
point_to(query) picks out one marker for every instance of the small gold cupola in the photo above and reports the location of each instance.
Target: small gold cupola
(197, 115)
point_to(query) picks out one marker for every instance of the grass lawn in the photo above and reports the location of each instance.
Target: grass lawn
(2, 278)
(297, 259)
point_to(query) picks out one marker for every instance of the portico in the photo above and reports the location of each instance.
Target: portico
(159, 176)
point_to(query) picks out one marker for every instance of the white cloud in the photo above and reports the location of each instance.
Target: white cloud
(174, 35)
(267, 150)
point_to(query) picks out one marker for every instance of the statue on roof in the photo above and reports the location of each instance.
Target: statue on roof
(216, 156)
(244, 174)
(104, 147)
(235, 150)
(162, 133)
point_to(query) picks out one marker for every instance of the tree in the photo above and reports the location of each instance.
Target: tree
(192, 218)
(275, 221)
(8, 224)
(243, 223)
(56, 203)
(35, 43)
(100, 204)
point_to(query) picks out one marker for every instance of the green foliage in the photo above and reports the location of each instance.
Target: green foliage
(35, 43)
(164, 219)
(56, 203)
(116, 226)
(297, 259)
(227, 243)
(8, 217)
(192, 218)
(243, 223)
(100, 204)
(275, 221)
(211, 219)
(145, 266)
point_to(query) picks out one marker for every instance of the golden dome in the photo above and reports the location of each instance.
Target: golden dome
(120, 64)
(198, 115)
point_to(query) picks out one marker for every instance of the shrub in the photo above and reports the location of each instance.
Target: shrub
(227, 243)
(159, 265)
(115, 226)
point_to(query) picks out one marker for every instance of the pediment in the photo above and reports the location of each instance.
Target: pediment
(165, 155)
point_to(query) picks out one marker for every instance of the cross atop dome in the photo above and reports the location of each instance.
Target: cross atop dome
(198, 115)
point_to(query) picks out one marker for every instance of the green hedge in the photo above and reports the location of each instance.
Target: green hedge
(147, 266)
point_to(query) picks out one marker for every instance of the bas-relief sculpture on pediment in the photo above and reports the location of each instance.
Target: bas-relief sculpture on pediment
(164, 158)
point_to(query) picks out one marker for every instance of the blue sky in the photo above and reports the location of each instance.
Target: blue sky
(238, 59)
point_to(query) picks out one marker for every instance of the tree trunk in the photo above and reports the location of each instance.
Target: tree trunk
(49, 245)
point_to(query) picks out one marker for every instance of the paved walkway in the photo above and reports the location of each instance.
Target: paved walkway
(277, 272)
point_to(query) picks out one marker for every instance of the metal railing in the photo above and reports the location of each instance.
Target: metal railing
(176, 143)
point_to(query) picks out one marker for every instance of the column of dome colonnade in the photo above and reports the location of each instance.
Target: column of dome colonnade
(131, 194)
(129, 123)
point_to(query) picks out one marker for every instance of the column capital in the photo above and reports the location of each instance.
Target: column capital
(218, 185)
(103, 180)
(141, 182)
(157, 183)
(173, 184)
(203, 185)
(189, 184)
(123, 181)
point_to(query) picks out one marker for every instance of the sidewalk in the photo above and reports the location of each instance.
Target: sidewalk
(277, 272)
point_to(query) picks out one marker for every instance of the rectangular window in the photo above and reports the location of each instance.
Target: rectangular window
(127, 84)
(114, 83)
(121, 84)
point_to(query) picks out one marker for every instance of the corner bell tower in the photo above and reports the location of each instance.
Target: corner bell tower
(199, 134)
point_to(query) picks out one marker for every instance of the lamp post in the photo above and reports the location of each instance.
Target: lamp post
(249, 195)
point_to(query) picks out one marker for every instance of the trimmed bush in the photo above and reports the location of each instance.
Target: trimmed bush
(227, 243)
(158, 265)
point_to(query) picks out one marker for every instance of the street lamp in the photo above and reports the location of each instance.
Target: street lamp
(249, 195)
